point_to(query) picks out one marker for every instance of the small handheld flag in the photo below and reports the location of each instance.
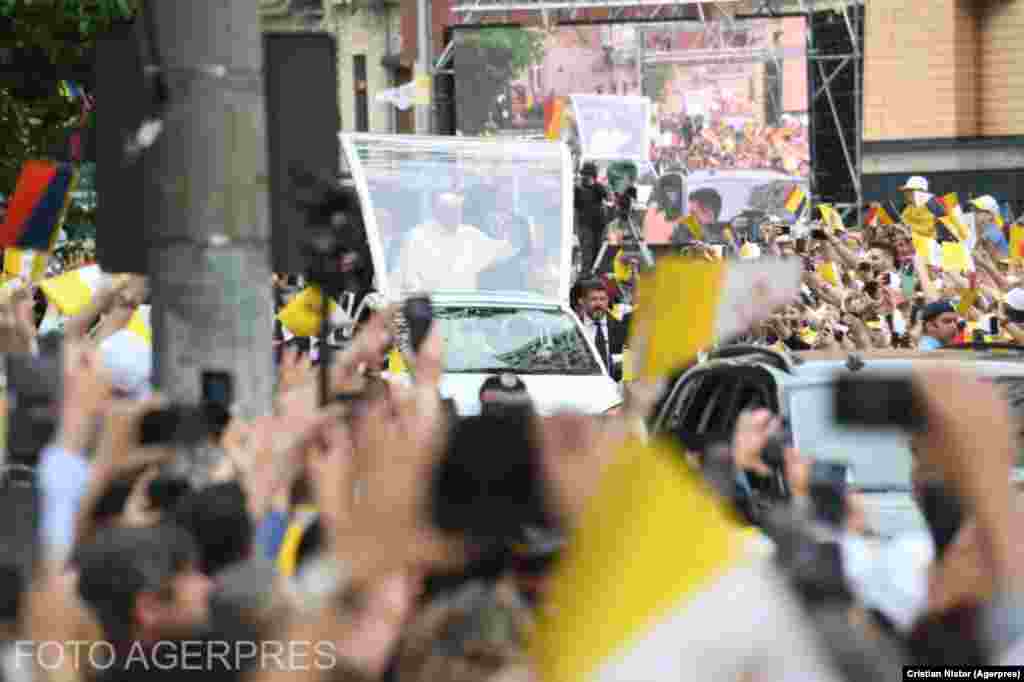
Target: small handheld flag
(36, 210)
(686, 305)
(796, 202)
(302, 316)
(72, 291)
(554, 110)
(877, 215)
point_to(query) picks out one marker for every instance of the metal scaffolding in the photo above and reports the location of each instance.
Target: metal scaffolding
(720, 17)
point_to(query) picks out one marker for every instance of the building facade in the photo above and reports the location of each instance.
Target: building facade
(368, 36)
(943, 96)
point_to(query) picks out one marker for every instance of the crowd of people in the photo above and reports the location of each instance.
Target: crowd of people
(315, 544)
(692, 143)
(906, 282)
(898, 285)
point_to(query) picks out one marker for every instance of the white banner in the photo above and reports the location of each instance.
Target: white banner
(613, 127)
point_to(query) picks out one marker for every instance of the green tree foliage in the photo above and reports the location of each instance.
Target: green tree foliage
(60, 34)
(522, 46)
(486, 61)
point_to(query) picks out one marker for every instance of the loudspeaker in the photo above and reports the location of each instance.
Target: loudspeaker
(303, 122)
(833, 182)
(121, 187)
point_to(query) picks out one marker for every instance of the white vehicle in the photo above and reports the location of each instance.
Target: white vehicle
(500, 278)
(536, 339)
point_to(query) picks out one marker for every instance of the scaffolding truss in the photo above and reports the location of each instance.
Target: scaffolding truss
(720, 18)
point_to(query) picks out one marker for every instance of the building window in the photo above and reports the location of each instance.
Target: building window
(362, 100)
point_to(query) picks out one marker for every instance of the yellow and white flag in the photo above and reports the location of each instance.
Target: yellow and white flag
(302, 315)
(659, 583)
(72, 291)
(140, 325)
(25, 263)
(686, 305)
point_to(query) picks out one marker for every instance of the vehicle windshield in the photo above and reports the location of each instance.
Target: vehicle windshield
(533, 341)
(464, 214)
(880, 460)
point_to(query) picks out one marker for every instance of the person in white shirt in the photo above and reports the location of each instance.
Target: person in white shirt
(446, 254)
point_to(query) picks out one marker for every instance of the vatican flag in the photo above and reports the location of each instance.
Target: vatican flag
(72, 291)
(686, 305)
(302, 315)
(660, 583)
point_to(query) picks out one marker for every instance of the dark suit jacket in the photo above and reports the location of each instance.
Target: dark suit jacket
(618, 333)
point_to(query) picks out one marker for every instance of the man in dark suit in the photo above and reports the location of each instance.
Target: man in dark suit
(607, 334)
(591, 216)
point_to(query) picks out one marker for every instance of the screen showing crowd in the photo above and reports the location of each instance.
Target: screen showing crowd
(725, 95)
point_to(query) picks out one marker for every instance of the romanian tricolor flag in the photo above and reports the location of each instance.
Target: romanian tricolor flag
(72, 291)
(37, 208)
(796, 202)
(302, 315)
(554, 111)
(687, 304)
(945, 209)
(877, 215)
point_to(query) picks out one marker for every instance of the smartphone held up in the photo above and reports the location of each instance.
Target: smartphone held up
(878, 402)
(189, 425)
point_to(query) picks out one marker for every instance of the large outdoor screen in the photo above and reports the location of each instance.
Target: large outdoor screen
(726, 94)
(722, 103)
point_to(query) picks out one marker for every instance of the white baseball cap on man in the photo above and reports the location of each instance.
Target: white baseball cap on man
(915, 184)
(986, 203)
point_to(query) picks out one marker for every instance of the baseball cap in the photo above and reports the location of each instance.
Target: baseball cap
(933, 310)
(986, 203)
(1015, 305)
(129, 362)
(915, 183)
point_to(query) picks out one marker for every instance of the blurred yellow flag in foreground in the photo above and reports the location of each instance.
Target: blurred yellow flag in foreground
(685, 305)
(652, 538)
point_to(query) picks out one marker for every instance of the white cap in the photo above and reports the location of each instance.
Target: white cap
(916, 183)
(1015, 299)
(129, 361)
(986, 203)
